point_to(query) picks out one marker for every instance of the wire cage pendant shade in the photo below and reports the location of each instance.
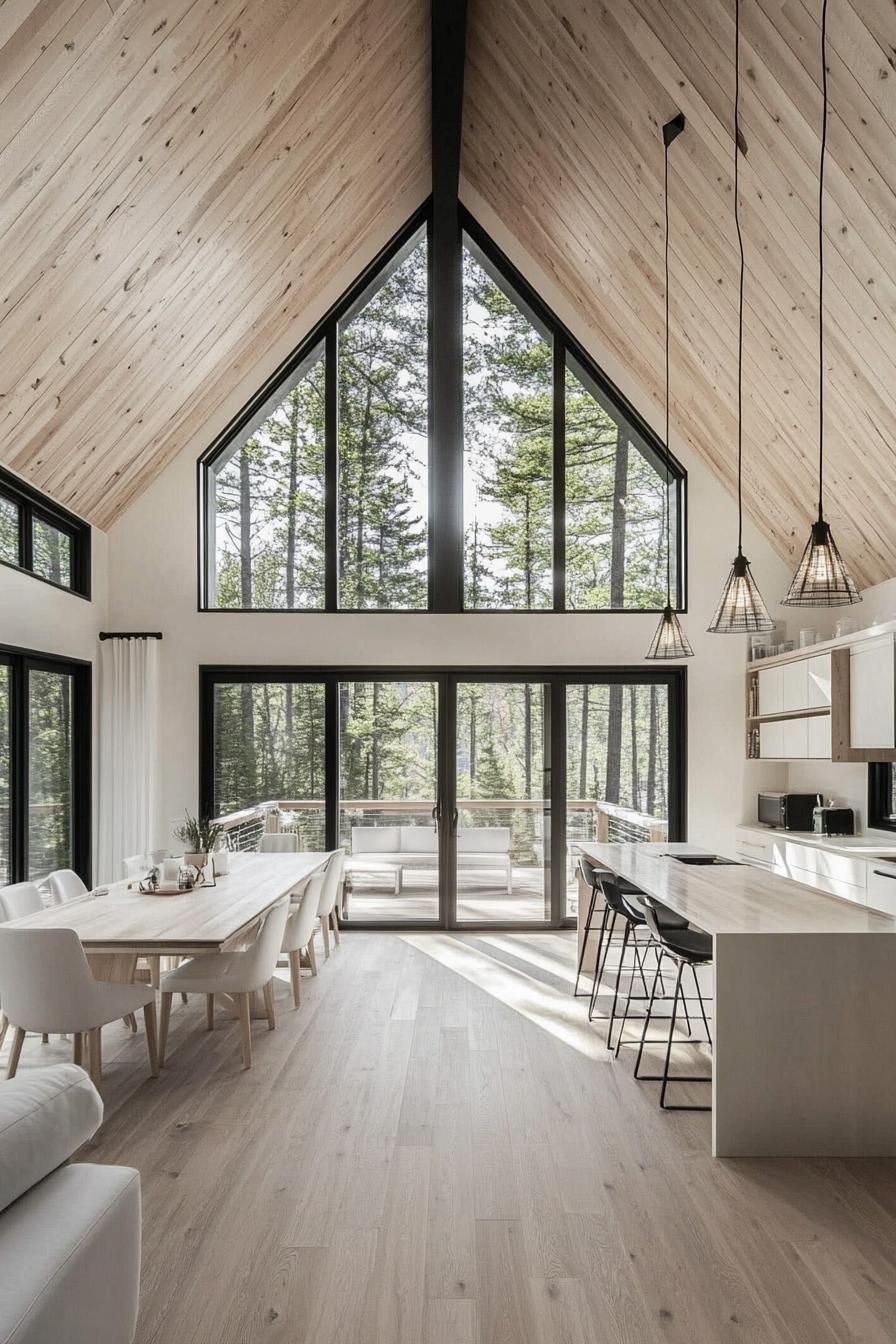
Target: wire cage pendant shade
(741, 609)
(669, 641)
(821, 579)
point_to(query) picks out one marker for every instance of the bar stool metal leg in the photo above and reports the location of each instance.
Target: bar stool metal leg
(603, 925)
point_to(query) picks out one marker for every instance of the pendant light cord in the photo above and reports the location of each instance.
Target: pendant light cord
(824, 136)
(740, 299)
(666, 526)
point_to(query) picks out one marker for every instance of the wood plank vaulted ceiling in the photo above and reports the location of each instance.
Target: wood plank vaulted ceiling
(183, 180)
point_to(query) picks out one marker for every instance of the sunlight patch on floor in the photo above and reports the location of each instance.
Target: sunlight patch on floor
(566, 1019)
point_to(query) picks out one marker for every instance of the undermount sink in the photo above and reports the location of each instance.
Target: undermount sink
(705, 860)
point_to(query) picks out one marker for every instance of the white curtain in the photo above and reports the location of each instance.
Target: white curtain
(129, 695)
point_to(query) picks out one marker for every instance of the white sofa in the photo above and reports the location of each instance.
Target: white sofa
(378, 849)
(69, 1234)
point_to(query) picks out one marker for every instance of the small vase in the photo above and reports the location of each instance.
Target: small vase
(198, 862)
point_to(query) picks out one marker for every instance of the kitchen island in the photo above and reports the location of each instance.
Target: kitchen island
(804, 1013)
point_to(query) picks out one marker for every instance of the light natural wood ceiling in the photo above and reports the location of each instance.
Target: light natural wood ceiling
(181, 180)
(563, 104)
(184, 178)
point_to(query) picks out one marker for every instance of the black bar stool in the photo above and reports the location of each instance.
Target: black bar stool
(593, 877)
(618, 907)
(684, 947)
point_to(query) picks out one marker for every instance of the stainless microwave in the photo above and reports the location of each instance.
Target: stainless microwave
(787, 811)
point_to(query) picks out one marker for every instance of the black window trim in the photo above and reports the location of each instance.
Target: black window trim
(674, 677)
(880, 794)
(21, 662)
(33, 505)
(445, 591)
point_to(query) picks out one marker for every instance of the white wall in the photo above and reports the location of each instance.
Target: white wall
(153, 566)
(43, 619)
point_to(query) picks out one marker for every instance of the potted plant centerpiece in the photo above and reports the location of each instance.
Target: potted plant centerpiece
(198, 838)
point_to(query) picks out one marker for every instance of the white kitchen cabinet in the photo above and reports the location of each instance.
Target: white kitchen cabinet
(818, 674)
(771, 740)
(819, 735)
(795, 688)
(795, 739)
(771, 690)
(882, 888)
(872, 693)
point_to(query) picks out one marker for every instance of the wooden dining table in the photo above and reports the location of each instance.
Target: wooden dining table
(120, 924)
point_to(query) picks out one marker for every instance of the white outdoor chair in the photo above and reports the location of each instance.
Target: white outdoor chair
(64, 885)
(279, 842)
(329, 896)
(47, 986)
(240, 973)
(298, 936)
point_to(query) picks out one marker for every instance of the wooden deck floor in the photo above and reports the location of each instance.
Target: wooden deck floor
(436, 1148)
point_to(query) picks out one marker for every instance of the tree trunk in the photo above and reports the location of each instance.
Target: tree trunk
(583, 743)
(636, 783)
(652, 753)
(527, 738)
(291, 501)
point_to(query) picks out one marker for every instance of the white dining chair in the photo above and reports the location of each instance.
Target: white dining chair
(240, 973)
(279, 842)
(20, 899)
(64, 885)
(47, 986)
(298, 937)
(329, 919)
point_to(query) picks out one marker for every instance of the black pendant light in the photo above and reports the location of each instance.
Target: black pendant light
(670, 640)
(822, 579)
(741, 608)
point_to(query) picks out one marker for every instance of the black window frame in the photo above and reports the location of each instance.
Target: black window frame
(21, 662)
(32, 506)
(557, 678)
(880, 796)
(445, 531)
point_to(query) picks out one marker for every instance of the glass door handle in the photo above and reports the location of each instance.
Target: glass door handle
(436, 815)
(454, 821)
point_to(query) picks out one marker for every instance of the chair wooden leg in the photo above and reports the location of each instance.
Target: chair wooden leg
(130, 1022)
(95, 1051)
(335, 920)
(78, 1048)
(295, 975)
(183, 998)
(163, 1026)
(210, 1011)
(246, 1028)
(149, 1021)
(312, 956)
(15, 1053)
(4, 1027)
(269, 1004)
(45, 1037)
(155, 971)
(325, 931)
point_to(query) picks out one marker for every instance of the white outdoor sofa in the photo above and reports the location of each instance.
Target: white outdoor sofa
(389, 850)
(69, 1234)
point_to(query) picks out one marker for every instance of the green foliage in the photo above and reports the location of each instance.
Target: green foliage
(198, 836)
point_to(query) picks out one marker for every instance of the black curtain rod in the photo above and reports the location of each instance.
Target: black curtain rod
(130, 634)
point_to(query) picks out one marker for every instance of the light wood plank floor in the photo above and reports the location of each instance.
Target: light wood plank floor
(436, 1149)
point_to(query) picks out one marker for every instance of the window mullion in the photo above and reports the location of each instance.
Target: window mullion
(331, 468)
(559, 472)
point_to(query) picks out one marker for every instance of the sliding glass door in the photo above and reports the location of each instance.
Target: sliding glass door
(459, 796)
(501, 846)
(388, 792)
